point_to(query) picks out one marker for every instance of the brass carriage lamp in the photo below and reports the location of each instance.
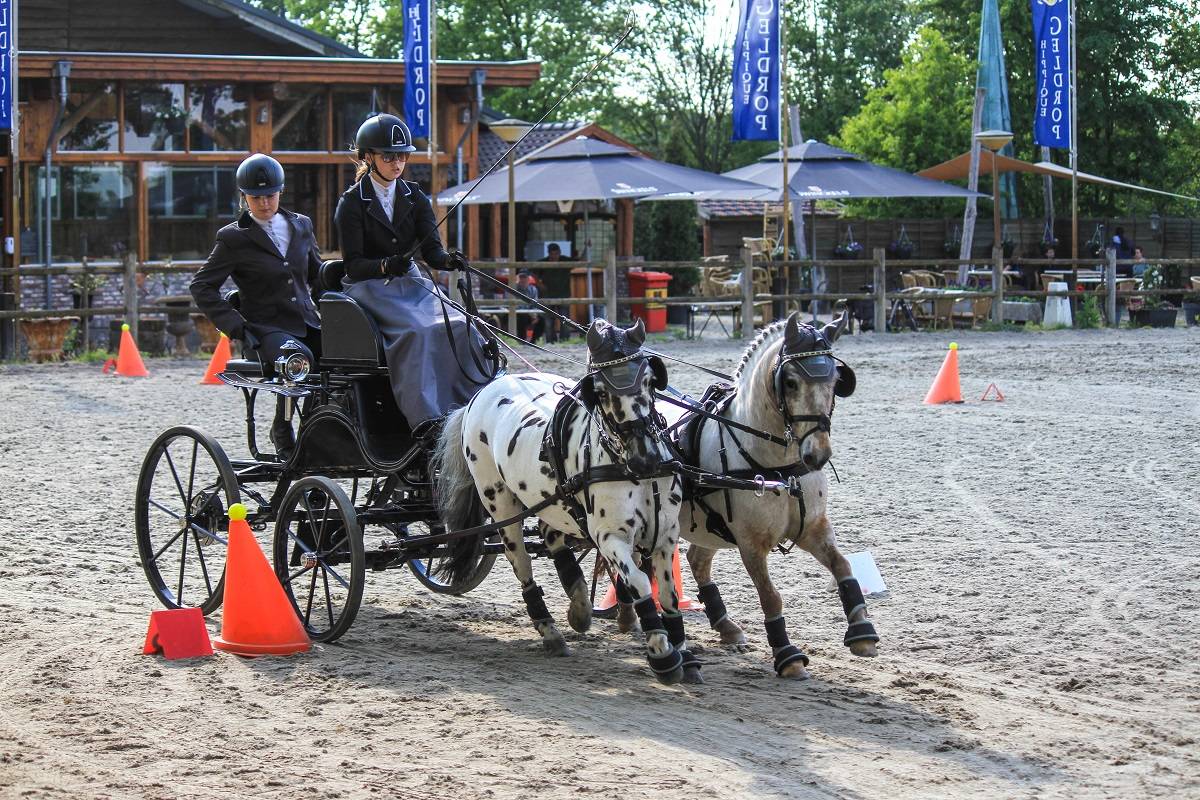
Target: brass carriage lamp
(994, 140)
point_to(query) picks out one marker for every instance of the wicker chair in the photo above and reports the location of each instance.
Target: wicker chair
(718, 281)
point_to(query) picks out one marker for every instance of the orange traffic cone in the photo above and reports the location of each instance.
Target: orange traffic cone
(258, 618)
(220, 358)
(945, 388)
(685, 603)
(128, 361)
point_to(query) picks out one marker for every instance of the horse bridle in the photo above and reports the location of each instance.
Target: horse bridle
(822, 422)
(599, 381)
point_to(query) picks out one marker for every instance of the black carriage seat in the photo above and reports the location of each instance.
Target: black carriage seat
(349, 337)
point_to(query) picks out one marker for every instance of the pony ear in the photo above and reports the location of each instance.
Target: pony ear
(636, 335)
(660, 373)
(595, 334)
(791, 329)
(846, 381)
(834, 329)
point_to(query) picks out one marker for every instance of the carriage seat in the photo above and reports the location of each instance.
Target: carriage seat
(349, 336)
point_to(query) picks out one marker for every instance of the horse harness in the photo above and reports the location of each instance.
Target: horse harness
(812, 354)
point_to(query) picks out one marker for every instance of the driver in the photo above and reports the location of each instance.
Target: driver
(436, 361)
(271, 255)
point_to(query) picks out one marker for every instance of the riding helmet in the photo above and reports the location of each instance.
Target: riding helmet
(260, 175)
(383, 133)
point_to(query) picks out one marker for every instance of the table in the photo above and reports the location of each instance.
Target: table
(977, 274)
(714, 309)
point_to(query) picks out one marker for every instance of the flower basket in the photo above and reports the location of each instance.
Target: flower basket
(46, 337)
(901, 246)
(849, 249)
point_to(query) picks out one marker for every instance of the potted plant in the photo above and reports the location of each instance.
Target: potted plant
(849, 248)
(901, 246)
(84, 286)
(953, 243)
(1155, 311)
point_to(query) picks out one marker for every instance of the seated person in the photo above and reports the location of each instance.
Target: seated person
(436, 360)
(1138, 267)
(271, 255)
(527, 287)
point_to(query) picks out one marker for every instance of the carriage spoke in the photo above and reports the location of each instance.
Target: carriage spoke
(326, 568)
(312, 590)
(203, 565)
(192, 472)
(182, 564)
(175, 475)
(333, 548)
(207, 532)
(172, 541)
(297, 574)
(325, 519)
(162, 508)
(328, 598)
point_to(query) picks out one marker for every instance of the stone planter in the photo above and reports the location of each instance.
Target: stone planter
(179, 321)
(45, 337)
(209, 335)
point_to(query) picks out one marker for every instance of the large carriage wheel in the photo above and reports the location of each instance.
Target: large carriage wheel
(319, 558)
(428, 570)
(185, 486)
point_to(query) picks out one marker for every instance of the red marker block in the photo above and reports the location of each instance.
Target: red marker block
(177, 633)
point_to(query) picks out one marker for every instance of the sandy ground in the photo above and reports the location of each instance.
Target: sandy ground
(1038, 638)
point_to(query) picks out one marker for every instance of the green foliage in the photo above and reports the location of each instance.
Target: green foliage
(1089, 313)
(919, 116)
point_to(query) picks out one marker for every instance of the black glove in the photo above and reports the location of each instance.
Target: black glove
(456, 260)
(249, 339)
(396, 266)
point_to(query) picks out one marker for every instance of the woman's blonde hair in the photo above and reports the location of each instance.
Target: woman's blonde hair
(364, 166)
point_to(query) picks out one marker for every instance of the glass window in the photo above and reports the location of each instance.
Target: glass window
(352, 107)
(219, 117)
(92, 207)
(90, 122)
(298, 118)
(154, 117)
(187, 205)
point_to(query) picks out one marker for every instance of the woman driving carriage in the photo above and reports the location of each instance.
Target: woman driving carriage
(435, 359)
(271, 255)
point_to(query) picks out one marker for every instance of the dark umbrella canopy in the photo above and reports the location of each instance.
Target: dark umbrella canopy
(590, 169)
(818, 171)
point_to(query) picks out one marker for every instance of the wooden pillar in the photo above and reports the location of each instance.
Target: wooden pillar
(497, 251)
(625, 227)
(472, 242)
(707, 251)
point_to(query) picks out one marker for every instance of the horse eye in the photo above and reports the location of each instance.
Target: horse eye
(791, 383)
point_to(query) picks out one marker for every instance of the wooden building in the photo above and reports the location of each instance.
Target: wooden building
(164, 99)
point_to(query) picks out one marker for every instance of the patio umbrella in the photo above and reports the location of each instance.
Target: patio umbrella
(589, 169)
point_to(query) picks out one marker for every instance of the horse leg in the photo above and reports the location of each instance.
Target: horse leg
(790, 661)
(579, 614)
(664, 660)
(700, 560)
(502, 504)
(668, 598)
(860, 633)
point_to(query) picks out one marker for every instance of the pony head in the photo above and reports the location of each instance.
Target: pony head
(805, 379)
(620, 389)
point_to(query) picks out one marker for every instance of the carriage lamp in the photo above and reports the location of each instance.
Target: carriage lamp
(294, 367)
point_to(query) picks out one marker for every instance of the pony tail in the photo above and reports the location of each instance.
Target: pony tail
(458, 502)
(363, 169)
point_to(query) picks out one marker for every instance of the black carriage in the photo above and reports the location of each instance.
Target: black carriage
(355, 493)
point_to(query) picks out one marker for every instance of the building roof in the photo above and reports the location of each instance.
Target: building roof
(273, 26)
(492, 147)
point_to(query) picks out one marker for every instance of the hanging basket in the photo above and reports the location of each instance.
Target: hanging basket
(849, 248)
(902, 246)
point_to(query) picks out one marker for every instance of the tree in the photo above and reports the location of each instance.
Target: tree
(919, 116)
(351, 22)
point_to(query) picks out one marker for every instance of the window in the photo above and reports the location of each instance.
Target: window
(351, 108)
(92, 207)
(187, 205)
(154, 117)
(90, 122)
(218, 118)
(299, 118)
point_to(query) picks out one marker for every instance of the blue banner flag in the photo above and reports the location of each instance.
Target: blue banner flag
(756, 72)
(418, 90)
(6, 66)
(1052, 76)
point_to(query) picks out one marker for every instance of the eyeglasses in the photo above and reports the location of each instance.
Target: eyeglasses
(389, 158)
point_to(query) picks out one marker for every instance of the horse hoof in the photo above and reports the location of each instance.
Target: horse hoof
(670, 678)
(864, 649)
(692, 677)
(556, 647)
(731, 633)
(794, 672)
(580, 620)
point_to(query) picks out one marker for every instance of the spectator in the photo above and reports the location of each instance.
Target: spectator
(557, 283)
(1122, 244)
(527, 287)
(1139, 263)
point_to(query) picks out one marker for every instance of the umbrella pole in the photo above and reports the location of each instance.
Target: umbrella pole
(587, 260)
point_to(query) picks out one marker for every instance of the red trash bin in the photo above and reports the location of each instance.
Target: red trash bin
(650, 284)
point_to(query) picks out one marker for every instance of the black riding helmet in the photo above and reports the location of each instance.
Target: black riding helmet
(260, 175)
(383, 133)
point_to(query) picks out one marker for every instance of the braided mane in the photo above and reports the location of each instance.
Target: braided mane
(755, 350)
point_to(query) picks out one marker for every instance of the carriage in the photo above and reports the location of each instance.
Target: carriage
(354, 495)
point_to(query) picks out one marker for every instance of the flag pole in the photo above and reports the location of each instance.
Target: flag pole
(1074, 139)
(433, 126)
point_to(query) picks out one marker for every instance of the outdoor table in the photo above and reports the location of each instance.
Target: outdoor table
(977, 274)
(714, 309)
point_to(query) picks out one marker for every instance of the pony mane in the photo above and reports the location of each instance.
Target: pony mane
(755, 350)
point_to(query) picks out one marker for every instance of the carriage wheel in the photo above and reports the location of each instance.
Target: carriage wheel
(319, 558)
(184, 488)
(428, 570)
